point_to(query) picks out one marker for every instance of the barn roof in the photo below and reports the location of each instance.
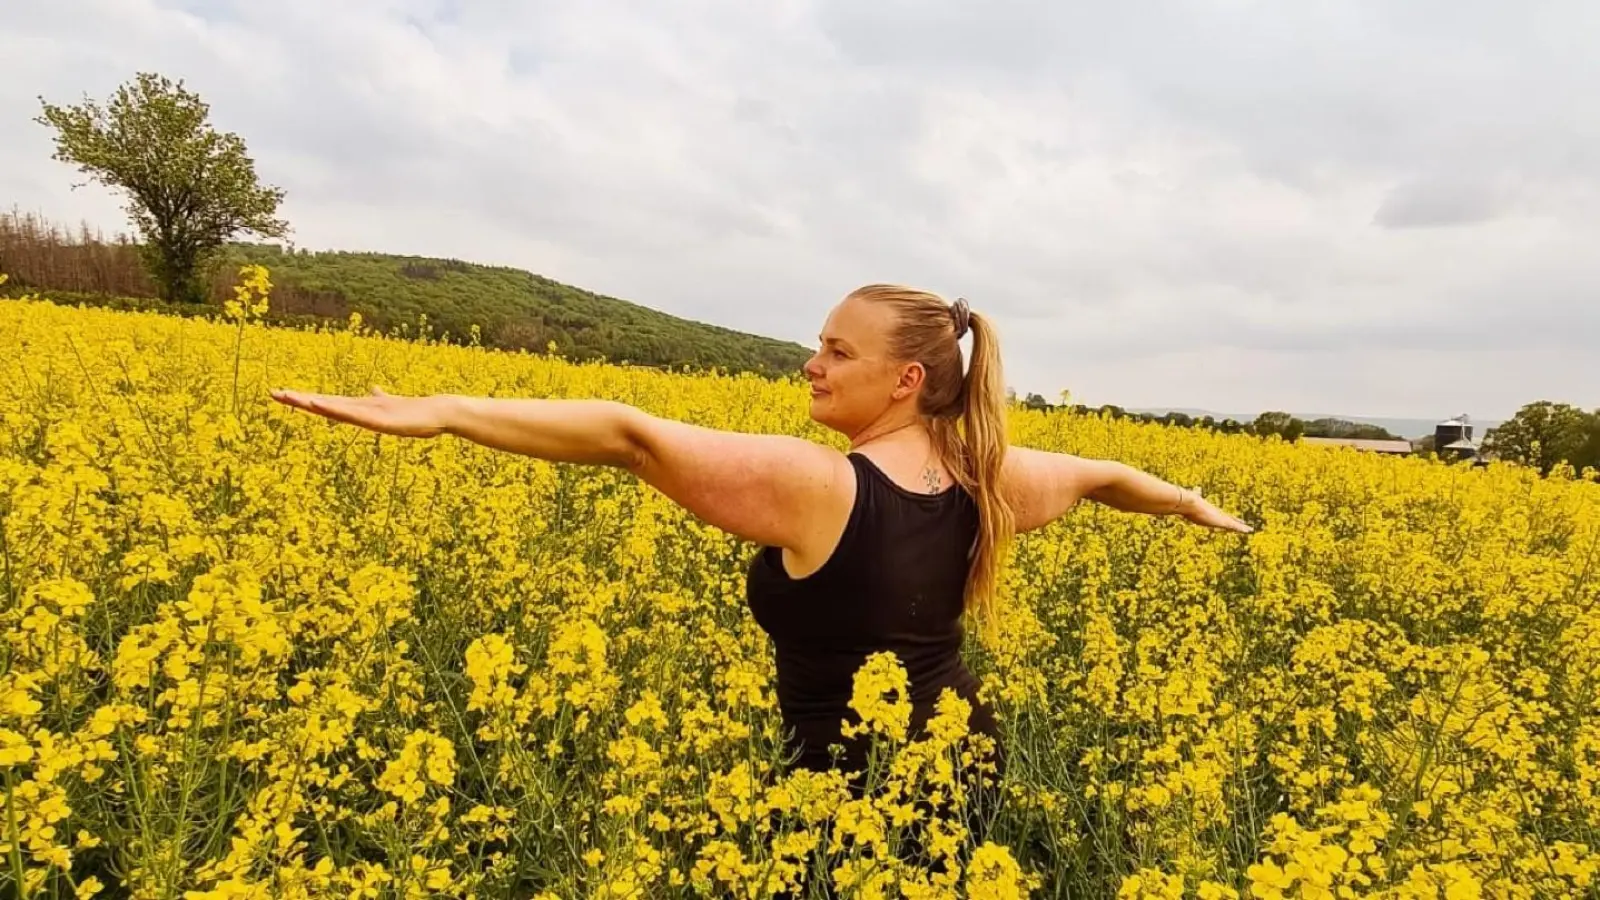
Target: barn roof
(1361, 444)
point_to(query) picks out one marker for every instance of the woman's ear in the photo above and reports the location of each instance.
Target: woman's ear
(911, 378)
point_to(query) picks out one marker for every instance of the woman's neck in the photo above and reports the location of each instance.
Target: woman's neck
(883, 430)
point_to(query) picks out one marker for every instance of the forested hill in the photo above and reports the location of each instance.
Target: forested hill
(513, 309)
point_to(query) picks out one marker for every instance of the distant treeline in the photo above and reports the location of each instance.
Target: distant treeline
(1280, 423)
(512, 309)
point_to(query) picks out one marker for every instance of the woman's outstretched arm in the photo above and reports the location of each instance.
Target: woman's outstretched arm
(588, 432)
(773, 489)
(1044, 486)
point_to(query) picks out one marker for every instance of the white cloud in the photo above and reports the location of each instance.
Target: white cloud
(1360, 207)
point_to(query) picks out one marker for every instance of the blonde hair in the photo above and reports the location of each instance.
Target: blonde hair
(966, 416)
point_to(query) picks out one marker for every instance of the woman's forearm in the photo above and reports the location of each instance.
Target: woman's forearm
(1133, 490)
(595, 432)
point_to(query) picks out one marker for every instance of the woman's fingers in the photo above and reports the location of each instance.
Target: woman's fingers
(330, 406)
(1210, 516)
(295, 399)
(1223, 520)
(344, 409)
(379, 411)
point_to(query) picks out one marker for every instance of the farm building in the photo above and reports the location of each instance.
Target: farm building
(1375, 446)
(1452, 440)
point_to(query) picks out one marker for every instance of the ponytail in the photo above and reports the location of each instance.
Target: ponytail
(977, 454)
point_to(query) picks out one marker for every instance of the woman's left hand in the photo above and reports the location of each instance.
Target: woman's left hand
(1200, 511)
(380, 412)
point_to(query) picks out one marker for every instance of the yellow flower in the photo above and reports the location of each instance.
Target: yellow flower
(250, 295)
(14, 748)
(428, 647)
(1151, 884)
(425, 758)
(993, 875)
(881, 698)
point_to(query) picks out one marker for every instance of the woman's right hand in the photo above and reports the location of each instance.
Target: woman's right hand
(1199, 511)
(421, 417)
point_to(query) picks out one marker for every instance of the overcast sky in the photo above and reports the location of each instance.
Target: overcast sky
(1372, 208)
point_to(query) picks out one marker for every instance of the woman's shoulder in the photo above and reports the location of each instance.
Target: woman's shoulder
(771, 489)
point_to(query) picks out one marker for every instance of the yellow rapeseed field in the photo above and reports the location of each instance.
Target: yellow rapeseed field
(251, 653)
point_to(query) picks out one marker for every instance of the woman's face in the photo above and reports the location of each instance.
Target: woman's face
(853, 380)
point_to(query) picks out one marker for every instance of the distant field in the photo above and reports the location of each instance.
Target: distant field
(251, 653)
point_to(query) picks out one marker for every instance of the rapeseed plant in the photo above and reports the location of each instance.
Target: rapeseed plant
(252, 654)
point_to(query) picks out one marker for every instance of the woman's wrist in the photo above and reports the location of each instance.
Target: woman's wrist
(1181, 503)
(447, 410)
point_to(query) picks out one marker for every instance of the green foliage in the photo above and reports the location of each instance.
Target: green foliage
(1543, 434)
(1341, 428)
(189, 189)
(513, 310)
(1280, 423)
(1172, 419)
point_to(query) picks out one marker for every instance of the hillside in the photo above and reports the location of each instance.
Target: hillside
(513, 309)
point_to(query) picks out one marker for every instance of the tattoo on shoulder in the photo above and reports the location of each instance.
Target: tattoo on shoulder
(930, 477)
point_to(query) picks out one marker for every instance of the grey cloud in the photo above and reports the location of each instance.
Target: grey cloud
(1112, 183)
(1402, 88)
(1429, 203)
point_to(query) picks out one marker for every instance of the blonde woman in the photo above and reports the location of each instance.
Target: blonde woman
(885, 547)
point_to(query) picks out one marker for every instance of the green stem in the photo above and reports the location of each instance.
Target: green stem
(238, 347)
(17, 870)
(1404, 817)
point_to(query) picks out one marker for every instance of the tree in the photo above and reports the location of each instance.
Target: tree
(1589, 452)
(1280, 423)
(1543, 433)
(1340, 428)
(189, 188)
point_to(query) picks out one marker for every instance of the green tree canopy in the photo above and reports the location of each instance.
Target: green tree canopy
(1280, 423)
(189, 188)
(1341, 428)
(1543, 433)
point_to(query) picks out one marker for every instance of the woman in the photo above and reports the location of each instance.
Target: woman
(885, 547)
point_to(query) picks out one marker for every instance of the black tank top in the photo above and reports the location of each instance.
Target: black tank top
(894, 582)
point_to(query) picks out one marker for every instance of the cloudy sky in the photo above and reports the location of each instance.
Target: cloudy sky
(1372, 208)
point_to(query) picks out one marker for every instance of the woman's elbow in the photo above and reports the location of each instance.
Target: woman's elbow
(638, 438)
